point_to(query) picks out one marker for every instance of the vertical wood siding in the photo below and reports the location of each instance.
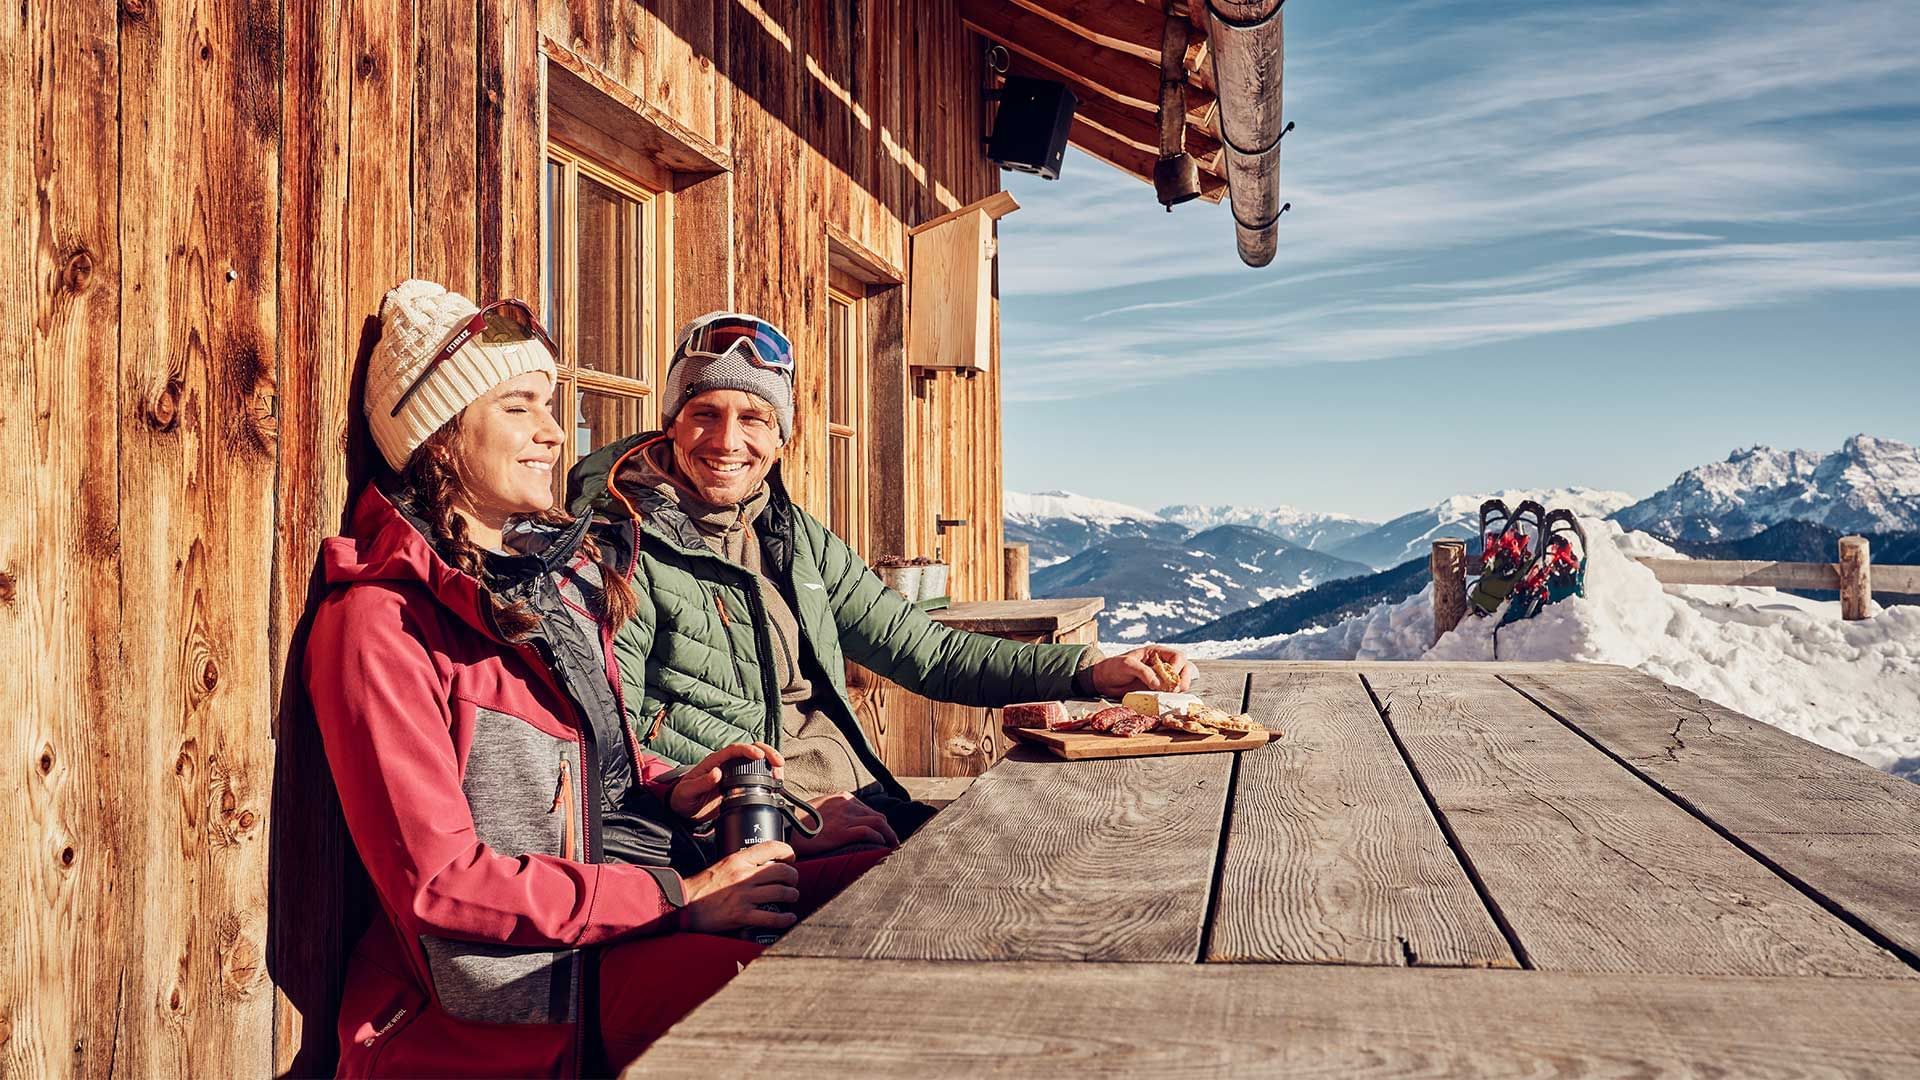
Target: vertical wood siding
(207, 203)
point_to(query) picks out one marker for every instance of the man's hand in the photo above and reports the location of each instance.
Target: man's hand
(696, 795)
(845, 820)
(1135, 670)
(728, 894)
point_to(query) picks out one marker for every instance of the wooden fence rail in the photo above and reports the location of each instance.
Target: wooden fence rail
(1854, 577)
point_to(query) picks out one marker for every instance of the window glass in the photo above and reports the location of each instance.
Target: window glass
(599, 419)
(839, 347)
(550, 258)
(607, 279)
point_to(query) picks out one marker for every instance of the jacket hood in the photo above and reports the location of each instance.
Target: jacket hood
(386, 543)
(589, 488)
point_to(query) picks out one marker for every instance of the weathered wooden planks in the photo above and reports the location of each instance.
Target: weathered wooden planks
(1849, 833)
(1592, 869)
(854, 1018)
(1333, 855)
(1098, 860)
(200, 125)
(74, 826)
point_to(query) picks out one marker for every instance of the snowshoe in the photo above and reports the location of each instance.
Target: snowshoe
(1506, 555)
(1559, 570)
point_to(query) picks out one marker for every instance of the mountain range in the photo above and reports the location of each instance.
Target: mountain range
(1217, 572)
(1868, 485)
(1155, 588)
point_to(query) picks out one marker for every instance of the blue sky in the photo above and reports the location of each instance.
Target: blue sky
(1530, 245)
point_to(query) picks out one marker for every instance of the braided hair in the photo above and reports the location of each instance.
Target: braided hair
(429, 484)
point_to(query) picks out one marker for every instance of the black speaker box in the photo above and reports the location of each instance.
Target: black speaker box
(1030, 130)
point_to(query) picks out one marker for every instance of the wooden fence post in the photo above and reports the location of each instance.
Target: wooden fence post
(1449, 565)
(1018, 585)
(1856, 577)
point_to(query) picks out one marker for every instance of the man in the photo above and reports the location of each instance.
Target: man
(749, 606)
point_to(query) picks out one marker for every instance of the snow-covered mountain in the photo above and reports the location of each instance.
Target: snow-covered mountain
(1311, 530)
(1155, 588)
(1868, 485)
(1057, 525)
(1411, 536)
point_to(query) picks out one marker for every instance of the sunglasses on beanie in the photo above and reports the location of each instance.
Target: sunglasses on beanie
(500, 321)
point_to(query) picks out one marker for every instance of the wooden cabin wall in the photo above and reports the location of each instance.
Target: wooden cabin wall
(208, 202)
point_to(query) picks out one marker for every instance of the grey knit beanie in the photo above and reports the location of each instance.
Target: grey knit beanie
(694, 373)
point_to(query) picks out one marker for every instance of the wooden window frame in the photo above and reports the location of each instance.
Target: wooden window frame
(844, 290)
(651, 188)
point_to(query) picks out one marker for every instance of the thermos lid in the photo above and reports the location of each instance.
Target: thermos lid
(749, 769)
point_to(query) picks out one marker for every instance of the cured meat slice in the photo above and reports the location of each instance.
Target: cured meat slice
(1069, 723)
(1106, 718)
(1133, 725)
(1035, 714)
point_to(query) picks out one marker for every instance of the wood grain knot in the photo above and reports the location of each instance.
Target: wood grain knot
(67, 856)
(46, 760)
(163, 412)
(366, 67)
(239, 959)
(173, 1000)
(208, 677)
(133, 11)
(183, 763)
(9, 586)
(78, 271)
(961, 747)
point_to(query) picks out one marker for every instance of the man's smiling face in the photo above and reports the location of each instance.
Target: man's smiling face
(724, 444)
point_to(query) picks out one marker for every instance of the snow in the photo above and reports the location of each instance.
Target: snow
(1853, 687)
(1868, 485)
(1065, 504)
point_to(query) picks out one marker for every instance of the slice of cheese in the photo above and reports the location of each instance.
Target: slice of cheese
(1159, 702)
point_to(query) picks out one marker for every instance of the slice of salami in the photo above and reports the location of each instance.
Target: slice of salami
(1069, 723)
(1105, 719)
(1035, 714)
(1134, 725)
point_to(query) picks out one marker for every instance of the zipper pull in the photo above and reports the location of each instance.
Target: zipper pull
(720, 603)
(563, 798)
(659, 718)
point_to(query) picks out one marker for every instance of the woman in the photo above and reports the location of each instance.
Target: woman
(531, 920)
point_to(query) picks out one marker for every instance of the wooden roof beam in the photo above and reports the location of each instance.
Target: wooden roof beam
(1129, 158)
(1134, 125)
(1111, 72)
(1131, 28)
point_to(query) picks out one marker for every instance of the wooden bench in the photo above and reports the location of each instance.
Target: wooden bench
(1438, 869)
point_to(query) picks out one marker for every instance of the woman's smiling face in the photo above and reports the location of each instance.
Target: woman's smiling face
(506, 450)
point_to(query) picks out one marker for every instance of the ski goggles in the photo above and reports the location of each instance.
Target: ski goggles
(754, 340)
(502, 320)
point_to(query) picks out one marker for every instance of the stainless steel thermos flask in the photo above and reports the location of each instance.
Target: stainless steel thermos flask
(755, 809)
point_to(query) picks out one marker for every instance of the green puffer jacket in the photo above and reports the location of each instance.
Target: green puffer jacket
(690, 658)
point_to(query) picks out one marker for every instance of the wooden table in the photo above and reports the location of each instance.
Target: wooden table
(920, 737)
(1515, 869)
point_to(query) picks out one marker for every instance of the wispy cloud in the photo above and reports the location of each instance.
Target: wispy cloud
(1460, 176)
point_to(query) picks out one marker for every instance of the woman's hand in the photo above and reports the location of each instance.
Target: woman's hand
(1150, 667)
(727, 895)
(845, 820)
(696, 795)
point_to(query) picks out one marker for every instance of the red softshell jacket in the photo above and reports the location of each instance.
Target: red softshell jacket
(461, 771)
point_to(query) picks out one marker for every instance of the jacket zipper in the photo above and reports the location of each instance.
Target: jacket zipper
(563, 803)
(726, 621)
(762, 642)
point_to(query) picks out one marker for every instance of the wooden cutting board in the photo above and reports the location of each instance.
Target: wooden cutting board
(1082, 745)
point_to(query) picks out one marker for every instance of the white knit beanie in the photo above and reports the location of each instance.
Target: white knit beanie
(416, 320)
